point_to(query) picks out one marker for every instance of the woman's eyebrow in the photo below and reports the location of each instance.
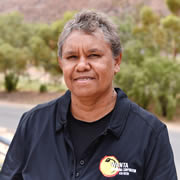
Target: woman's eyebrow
(94, 50)
(67, 53)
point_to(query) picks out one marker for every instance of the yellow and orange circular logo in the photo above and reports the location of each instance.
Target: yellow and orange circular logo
(107, 166)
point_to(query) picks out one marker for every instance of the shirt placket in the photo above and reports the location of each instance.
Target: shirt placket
(80, 166)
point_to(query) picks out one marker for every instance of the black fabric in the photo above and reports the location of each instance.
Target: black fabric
(135, 147)
(84, 133)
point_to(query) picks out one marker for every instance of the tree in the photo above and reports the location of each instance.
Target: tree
(174, 6)
(132, 80)
(149, 32)
(39, 50)
(14, 30)
(163, 84)
(133, 52)
(156, 81)
(25, 43)
(43, 45)
(58, 25)
(43, 55)
(171, 25)
(12, 64)
(148, 17)
(14, 52)
(148, 73)
(125, 25)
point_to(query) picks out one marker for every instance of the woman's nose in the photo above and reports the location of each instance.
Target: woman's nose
(83, 65)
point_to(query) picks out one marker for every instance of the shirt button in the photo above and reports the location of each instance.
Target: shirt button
(81, 162)
(77, 174)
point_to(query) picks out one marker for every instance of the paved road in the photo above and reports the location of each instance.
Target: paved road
(10, 115)
(175, 141)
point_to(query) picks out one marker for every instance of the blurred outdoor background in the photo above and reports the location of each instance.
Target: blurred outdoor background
(150, 71)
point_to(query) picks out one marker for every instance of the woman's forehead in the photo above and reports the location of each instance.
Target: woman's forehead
(91, 41)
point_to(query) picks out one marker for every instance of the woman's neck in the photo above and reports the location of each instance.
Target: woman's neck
(90, 109)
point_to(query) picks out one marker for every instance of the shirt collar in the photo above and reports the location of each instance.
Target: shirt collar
(118, 118)
(120, 114)
(62, 110)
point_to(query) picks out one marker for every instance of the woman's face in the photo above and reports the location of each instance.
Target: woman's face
(88, 64)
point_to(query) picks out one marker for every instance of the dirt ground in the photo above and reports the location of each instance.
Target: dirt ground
(28, 97)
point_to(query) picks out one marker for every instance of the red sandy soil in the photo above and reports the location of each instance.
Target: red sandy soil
(28, 97)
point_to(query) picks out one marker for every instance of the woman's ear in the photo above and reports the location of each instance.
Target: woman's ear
(117, 63)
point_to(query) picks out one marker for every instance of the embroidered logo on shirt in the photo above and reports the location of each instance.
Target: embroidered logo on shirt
(110, 167)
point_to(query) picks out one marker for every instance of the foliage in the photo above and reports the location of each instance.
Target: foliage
(163, 83)
(12, 64)
(171, 25)
(43, 45)
(58, 25)
(131, 80)
(151, 45)
(156, 81)
(149, 73)
(11, 81)
(39, 50)
(174, 6)
(43, 88)
(148, 17)
(13, 29)
(7, 53)
(12, 59)
(133, 52)
(125, 27)
(149, 32)
(14, 52)
(34, 44)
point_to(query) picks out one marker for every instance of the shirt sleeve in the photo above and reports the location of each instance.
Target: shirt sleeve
(12, 167)
(160, 162)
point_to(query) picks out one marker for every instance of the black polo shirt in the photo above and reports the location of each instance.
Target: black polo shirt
(84, 133)
(134, 146)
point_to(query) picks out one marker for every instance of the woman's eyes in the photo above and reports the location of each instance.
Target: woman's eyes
(94, 55)
(72, 57)
(89, 56)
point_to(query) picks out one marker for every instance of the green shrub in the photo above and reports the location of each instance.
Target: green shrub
(131, 80)
(164, 80)
(133, 52)
(11, 81)
(156, 82)
(42, 88)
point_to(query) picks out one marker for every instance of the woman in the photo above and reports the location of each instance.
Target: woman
(93, 131)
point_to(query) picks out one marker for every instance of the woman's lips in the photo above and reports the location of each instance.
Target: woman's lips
(84, 79)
